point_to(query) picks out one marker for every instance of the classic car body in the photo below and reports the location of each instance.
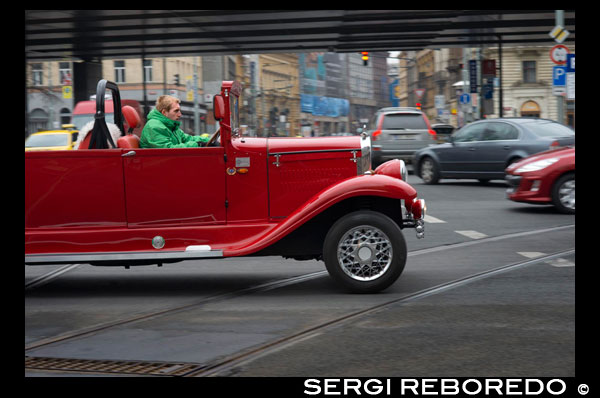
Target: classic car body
(247, 196)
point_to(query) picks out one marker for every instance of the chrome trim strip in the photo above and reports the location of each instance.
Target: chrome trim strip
(119, 256)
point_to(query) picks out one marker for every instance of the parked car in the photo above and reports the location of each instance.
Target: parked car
(484, 149)
(302, 198)
(52, 140)
(544, 178)
(396, 133)
(443, 132)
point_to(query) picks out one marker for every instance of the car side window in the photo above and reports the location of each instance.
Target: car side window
(499, 131)
(469, 133)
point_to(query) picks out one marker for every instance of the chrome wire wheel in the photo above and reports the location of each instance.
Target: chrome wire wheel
(566, 194)
(365, 253)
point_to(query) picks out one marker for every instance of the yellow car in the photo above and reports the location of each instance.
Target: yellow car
(54, 140)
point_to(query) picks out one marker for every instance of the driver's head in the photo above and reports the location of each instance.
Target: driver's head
(169, 106)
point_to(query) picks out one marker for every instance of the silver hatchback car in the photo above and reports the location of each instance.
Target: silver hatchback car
(397, 133)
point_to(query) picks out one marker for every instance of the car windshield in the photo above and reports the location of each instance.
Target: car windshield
(548, 128)
(234, 108)
(81, 120)
(401, 121)
(43, 140)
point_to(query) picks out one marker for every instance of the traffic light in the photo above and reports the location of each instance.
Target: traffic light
(176, 79)
(365, 58)
(418, 105)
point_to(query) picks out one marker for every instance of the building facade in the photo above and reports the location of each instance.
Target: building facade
(527, 85)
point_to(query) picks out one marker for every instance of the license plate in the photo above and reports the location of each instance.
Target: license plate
(405, 136)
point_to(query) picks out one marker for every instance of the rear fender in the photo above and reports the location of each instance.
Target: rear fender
(363, 185)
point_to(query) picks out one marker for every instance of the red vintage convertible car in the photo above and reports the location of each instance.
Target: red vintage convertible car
(113, 203)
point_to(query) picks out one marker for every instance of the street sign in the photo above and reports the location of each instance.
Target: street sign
(570, 85)
(558, 54)
(570, 63)
(67, 92)
(419, 92)
(559, 75)
(440, 101)
(465, 99)
(559, 33)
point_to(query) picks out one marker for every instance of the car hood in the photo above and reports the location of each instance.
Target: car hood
(301, 144)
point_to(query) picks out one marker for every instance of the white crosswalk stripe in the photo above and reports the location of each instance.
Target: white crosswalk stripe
(472, 234)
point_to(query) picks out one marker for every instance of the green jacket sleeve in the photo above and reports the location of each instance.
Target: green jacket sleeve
(186, 138)
(157, 135)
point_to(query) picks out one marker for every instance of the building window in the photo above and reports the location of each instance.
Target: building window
(65, 116)
(119, 71)
(148, 70)
(529, 72)
(37, 73)
(64, 73)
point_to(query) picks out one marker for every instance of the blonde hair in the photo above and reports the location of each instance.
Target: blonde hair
(165, 102)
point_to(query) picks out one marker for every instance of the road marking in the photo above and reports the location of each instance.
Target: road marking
(472, 234)
(531, 254)
(433, 220)
(560, 262)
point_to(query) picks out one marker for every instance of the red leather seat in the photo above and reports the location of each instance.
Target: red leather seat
(129, 141)
(132, 119)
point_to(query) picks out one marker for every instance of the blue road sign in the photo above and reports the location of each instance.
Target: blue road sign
(559, 75)
(570, 63)
(465, 99)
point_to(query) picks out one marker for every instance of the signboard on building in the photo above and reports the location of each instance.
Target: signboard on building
(488, 68)
(473, 75)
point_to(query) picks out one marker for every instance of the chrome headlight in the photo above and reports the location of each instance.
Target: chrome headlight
(403, 171)
(365, 158)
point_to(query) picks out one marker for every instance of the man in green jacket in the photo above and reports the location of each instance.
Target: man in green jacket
(162, 128)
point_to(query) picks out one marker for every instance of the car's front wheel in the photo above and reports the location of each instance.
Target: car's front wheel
(365, 251)
(563, 194)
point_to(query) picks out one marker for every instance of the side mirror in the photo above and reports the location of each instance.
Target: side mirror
(218, 107)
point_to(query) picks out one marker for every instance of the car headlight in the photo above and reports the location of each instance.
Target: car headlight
(365, 159)
(538, 165)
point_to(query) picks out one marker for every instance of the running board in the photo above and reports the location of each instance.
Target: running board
(191, 253)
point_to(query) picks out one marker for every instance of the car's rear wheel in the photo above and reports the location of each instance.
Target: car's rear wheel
(563, 194)
(428, 171)
(365, 251)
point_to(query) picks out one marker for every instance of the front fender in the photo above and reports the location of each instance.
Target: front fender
(363, 185)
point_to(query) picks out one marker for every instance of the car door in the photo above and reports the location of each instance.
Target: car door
(458, 157)
(490, 155)
(175, 186)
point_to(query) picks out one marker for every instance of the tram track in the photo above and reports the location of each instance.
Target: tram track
(227, 364)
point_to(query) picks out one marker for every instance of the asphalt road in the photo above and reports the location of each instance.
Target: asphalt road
(457, 310)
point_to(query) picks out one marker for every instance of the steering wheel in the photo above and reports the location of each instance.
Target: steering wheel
(213, 138)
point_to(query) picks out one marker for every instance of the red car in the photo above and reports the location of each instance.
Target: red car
(544, 178)
(301, 198)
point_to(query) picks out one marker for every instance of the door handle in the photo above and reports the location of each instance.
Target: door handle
(506, 147)
(471, 148)
(128, 154)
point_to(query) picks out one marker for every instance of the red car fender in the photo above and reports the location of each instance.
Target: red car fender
(363, 185)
